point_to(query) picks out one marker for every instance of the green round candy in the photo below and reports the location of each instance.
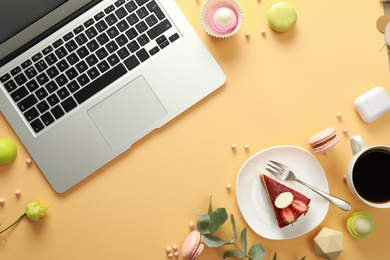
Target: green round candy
(361, 225)
(282, 16)
(8, 152)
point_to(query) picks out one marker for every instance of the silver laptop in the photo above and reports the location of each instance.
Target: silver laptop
(82, 80)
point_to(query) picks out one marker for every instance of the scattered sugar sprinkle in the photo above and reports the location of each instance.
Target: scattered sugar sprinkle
(339, 115)
(228, 187)
(176, 254)
(1, 202)
(246, 146)
(234, 146)
(18, 193)
(263, 32)
(345, 130)
(247, 34)
(191, 225)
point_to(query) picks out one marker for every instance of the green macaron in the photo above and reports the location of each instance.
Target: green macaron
(282, 16)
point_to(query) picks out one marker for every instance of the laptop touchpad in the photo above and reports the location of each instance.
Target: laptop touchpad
(128, 114)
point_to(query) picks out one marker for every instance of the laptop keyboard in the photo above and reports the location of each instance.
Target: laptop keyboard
(88, 58)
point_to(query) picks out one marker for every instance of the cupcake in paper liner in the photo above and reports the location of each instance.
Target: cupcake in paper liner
(222, 18)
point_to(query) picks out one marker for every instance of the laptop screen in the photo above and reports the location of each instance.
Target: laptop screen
(23, 21)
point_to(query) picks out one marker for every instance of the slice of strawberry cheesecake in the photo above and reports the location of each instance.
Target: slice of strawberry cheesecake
(287, 203)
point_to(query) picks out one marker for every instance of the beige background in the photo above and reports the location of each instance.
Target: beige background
(281, 89)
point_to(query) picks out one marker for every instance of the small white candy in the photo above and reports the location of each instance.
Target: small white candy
(18, 192)
(168, 250)
(170, 255)
(228, 187)
(176, 254)
(1, 202)
(339, 115)
(345, 131)
(248, 35)
(246, 146)
(174, 247)
(28, 161)
(234, 146)
(263, 32)
(284, 200)
(191, 225)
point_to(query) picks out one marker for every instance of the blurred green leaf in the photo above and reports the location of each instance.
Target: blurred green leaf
(234, 253)
(203, 224)
(234, 238)
(303, 258)
(210, 207)
(257, 252)
(217, 219)
(213, 241)
(243, 240)
(274, 258)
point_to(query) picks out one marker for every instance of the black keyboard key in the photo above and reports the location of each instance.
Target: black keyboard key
(103, 66)
(15, 71)
(63, 93)
(91, 60)
(72, 59)
(111, 46)
(37, 125)
(43, 106)
(142, 12)
(61, 52)
(26, 63)
(151, 20)
(100, 83)
(20, 79)
(102, 38)
(73, 86)
(51, 59)
(41, 93)
(113, 59)
(133, 46)
(10, 86)
(57, 112)
(36, 57)
(109, 9)
(42, 79)
(31, 114)
(142, 55)
(62, 65)
(68, 104)
(52, 72)
(123, 53)
(31, 72)
(71, 73)
(53, 99)
(101, 53)
(40, 65)
(119, 3)
(19, 94)
(141, 2)
(159, 29)
(131, 33)
(82, 52)
(89, 22)
(121, 40)
(57, 43)
(5, 78)
(91, 32)
(122, 26)
(154, 50)
(174, 37)
(61, 80)
(47, 118)
(83, 79)
(112, 32)
(28, 102)
(93, 73)
(68, 36)
(164, 44)
(78, 29)
(81, 39)
(143, 39)
(154, 8)
(81, 66)
(99, 16)
(141, 27)
(101, 26)
(131, 6)
(121, 12)
(131, 62)
(71, 45)
(132, 19)
(32, 85)
(51, 86)
(47, 50)
(111, 19)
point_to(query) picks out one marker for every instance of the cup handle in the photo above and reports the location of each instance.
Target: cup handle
(357, 144)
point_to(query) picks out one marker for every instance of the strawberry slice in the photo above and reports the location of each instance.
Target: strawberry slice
(299, 206)
(288, 215)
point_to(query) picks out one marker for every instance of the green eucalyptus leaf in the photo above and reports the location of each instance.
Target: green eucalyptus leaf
(217, 219)
(233, 253)
(303, 258)
(257, 252)
(203, 224)
(243, 240)
(210, 207)
(213, 241)
(234, 238)
(274, 258)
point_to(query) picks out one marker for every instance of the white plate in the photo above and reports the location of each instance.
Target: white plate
(252, 197)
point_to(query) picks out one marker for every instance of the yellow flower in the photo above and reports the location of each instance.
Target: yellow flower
(35, 210)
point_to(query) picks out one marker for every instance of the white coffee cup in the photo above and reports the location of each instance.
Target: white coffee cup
(368, 173)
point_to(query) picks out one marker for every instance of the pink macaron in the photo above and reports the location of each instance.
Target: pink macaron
(322, 141)
(193, 246)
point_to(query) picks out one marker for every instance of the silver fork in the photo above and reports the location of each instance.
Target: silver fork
(282, 172)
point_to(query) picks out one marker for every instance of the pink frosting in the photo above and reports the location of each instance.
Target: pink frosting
(220, 27)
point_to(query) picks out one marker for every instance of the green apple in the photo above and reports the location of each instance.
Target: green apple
(8, 152)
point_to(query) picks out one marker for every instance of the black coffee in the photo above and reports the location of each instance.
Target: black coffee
(371, 176)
